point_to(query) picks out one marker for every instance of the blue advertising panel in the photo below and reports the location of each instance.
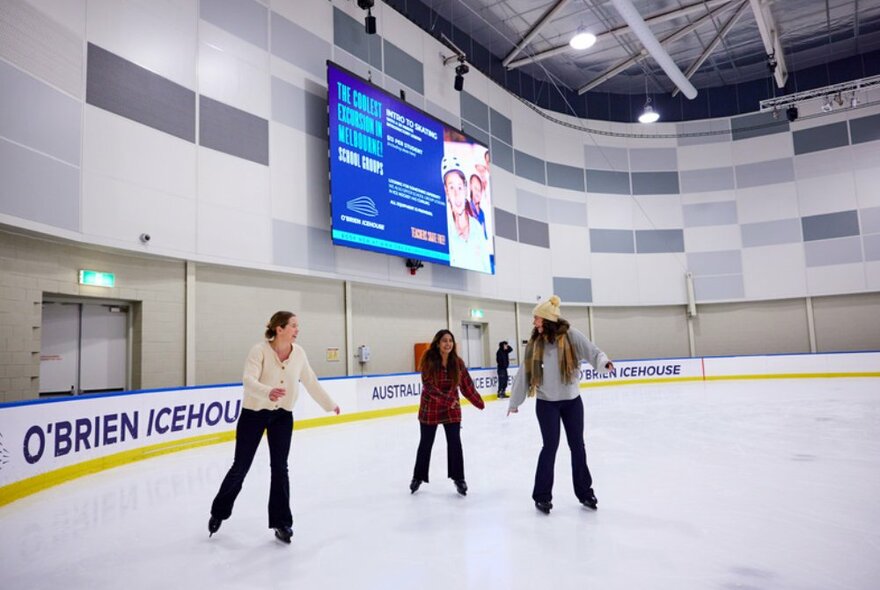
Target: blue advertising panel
(402, 182)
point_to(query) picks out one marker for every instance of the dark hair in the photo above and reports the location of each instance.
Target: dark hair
(432, 359)
(279, 319)
(551, 330)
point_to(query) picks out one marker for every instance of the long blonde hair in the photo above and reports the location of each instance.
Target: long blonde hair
(534, 358)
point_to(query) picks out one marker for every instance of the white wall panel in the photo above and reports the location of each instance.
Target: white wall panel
(233, 234)
(762, 149)
(610, 212)
(826, 194)
(315, 16)
(299, 188)
(507, 267)
(708, 197)
(569, 251)
(774, 272)
(233, 71)
(535, 277)
(128, 151)
(159, 36)
(712, 238)
(832, 280)
(615, 279)
(566, 148)
(707, 155)
(661, 279)
(872, 276)
(867, 181)
(233, 183)
(122, 211)
(762, 203)
(657, 212)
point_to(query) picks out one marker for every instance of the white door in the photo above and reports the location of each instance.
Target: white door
(103, 352)
(472, 347)
(59, 348)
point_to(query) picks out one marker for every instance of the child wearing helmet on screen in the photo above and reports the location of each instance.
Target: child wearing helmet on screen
(468, 247)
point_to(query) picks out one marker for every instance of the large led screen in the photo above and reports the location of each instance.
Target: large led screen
(403, 182)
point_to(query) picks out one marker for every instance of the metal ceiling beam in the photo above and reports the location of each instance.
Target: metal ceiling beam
(610, 33)
(770, 36)
(714, 43)
(637, 57)
(548, 16)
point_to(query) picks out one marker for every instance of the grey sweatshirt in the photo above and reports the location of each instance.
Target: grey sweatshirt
(553, 389)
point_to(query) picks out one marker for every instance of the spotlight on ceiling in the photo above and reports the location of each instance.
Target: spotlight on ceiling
(791, 113)
(460, 70)
(649, 115)
(369, 20)
(826, 106)
(854, 101)
(582, 40)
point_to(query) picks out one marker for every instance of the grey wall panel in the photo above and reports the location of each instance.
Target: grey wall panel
(349, 34)
(505, 224)
(530, 205)
(612, 241)
(701, 214)
(500, 126)
(703, 132)
(403, 67)
(536, 233)
(38, 188)
(606, 181)
(130, 91)
(865, 129)
(299, 108)
(298, 46)
(872, 247)
(768, 233)
(654, 183)
(233, 131)
(573, 290)
(530, 167)
(723, 262)
(763, 173)
(718, 288)
(501, 154)
(830, 225)
(567, 212)
(824, 137)
(829, 252)
(756, 125)
(563, 176)
(475, 132)
(245, 19)
(474, 110)
(653, 159)
(38, 116)
(706, 180)
(870, 220)
(301, 246)
(606, 158)
(652, 241)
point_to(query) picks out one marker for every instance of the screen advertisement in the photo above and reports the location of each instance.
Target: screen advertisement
(403, 182)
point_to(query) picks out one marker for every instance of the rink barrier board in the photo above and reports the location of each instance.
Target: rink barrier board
(315, 417)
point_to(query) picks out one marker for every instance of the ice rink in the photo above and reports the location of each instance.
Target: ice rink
(749, 485)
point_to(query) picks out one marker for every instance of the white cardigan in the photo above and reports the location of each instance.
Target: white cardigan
(263, 372)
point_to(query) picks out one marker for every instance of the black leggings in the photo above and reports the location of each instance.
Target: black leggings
(454, 453)
(571, 414)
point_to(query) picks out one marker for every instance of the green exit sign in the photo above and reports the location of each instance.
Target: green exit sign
(476, 313)
(97, 278)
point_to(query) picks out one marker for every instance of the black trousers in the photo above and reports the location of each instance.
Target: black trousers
(502, 380)
(278, 426)
(454, 452)
(571, 414)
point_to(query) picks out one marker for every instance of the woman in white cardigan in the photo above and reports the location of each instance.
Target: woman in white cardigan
(271, 372)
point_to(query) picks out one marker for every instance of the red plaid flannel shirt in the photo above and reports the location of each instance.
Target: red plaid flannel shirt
(439, 404)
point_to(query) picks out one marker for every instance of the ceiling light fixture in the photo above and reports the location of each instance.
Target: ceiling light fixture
(649, 115)
(582, 40)
(826, 106)
(854, 101)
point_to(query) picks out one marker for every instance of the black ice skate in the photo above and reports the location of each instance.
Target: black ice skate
(590, 501)
(414, 485)
(213, 525)
(284, 533)
(461, 487)
(544, 507)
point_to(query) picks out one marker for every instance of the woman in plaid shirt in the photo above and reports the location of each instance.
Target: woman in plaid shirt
(443, 375)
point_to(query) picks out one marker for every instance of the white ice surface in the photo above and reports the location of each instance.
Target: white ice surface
(728, 485)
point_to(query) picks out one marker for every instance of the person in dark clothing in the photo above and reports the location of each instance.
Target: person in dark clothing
(502, 359)
(443, 375)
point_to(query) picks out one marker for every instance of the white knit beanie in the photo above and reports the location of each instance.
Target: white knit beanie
(549, 310)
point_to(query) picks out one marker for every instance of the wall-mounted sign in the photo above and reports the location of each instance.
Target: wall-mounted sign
(96, 278)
